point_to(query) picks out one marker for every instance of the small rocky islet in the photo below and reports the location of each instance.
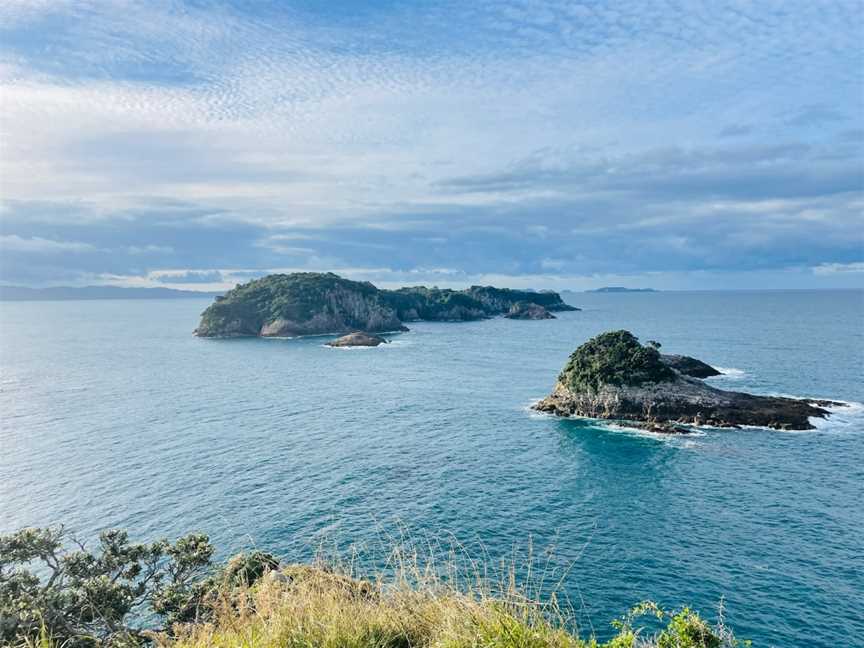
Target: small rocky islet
(310, 303)
(357, 339)
(613, 376)
(528, 311)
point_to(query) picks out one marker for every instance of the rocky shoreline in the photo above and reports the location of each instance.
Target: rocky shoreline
(307, 303)
(613, 377)
(357, 339)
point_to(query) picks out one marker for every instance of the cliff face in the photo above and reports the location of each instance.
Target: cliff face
(477, 302)
(612, 376)
(313, 303)
(298, 304)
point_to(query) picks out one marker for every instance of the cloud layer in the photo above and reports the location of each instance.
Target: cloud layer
(536, 142)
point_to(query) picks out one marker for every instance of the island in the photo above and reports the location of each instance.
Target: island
(621, 289)
(613, 376)
(357, 339)
(311, 303)
(528, 311)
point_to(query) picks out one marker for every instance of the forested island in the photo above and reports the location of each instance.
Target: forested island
(309, 303)
(613, 376)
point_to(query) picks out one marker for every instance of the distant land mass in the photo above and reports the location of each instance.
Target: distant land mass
(621, 289)
(66, 293)
(311, 303)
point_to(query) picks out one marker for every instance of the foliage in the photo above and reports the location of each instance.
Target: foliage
(84, 598)
(684, 629)
(297, 297)
(315, 608)
(614, 358)
(300, 296)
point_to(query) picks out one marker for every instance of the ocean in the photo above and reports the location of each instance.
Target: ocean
(114, 415)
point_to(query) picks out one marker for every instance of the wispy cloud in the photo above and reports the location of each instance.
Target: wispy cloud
(487, 137)
(856, 267)
(39, 245)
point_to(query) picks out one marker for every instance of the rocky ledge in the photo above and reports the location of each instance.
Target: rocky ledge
(528, 311)
(613, 376)
(358, 339)
(308, 303)
(689, 366)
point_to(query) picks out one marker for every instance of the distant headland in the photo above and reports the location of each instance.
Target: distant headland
(311, 303)
(622, 289)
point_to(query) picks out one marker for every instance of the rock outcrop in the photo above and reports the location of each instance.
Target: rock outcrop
(528, 311)
(308, 303)
(613, 376)
(302, 303)
(689, 366)
(358, 339)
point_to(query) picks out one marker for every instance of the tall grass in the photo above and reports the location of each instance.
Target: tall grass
(430, 598)
(419, 602)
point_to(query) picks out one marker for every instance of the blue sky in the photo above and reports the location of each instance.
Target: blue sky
(524, 143)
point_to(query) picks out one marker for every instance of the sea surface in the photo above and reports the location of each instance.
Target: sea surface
(113, 415)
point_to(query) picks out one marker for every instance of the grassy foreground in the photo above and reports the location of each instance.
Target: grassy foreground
(302, 606)
(56, 593)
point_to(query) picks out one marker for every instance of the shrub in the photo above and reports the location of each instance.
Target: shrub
(614, 358)
(83, 598)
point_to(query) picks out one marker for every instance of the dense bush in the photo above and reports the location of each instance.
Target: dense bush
(614, 358)
(50, 582)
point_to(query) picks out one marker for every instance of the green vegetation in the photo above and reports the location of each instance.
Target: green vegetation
(326, 299)
(473, 303)
(53, 596)
(614, 358)
(297, 297)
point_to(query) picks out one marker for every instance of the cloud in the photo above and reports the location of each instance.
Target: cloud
(856, 267)
(736, 130)
(38, 245)
(187, 276)
(489, 138)
(816, 115)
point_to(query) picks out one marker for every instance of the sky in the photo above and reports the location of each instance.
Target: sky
(523, 143)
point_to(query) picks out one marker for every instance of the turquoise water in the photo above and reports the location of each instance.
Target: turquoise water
(113, 414)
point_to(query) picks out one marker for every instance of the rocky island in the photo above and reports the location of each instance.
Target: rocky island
(309, 303)
(613, 376)
(357, 339)
(528, 311)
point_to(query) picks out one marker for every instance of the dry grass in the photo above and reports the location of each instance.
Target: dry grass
(418, 605)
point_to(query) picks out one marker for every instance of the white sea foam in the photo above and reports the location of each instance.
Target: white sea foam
(618, 426)
(533, 413)
(353, 348)
(848, 417)
(730, 373)
(386, 345)
(664, 436)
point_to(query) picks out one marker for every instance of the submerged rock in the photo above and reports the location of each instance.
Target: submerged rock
(357, 339)
(613, 376)
(528, 311)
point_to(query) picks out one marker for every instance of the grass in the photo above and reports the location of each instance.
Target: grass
(418, 605)
(415, 602)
